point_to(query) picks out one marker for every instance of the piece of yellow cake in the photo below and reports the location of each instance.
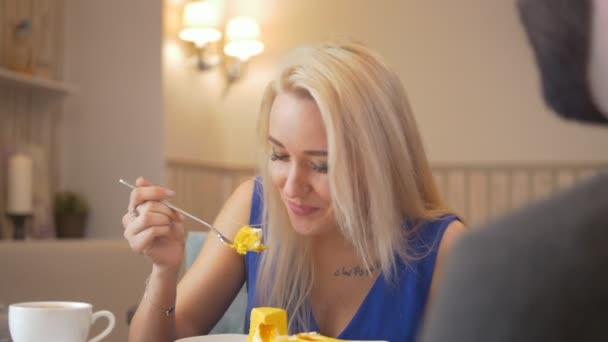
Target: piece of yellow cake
(248, 239)
(266, 324)
(270, 325)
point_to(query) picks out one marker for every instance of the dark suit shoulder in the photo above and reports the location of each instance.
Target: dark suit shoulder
(539, 274)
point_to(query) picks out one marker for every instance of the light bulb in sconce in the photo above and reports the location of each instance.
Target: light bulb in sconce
(201, 22)
(243, 38)
(242, 43)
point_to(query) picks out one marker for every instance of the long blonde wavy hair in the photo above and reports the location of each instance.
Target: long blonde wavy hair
(379, 175)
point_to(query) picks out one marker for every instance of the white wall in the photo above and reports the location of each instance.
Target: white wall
(113, 126)
(466, 66)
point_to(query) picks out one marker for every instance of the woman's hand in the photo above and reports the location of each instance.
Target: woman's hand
(152, 228)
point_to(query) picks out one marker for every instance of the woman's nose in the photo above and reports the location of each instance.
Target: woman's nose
(296, 184)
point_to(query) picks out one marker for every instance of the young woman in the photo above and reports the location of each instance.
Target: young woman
(356, 230)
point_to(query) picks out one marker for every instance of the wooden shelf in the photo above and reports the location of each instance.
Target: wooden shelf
(34, 82)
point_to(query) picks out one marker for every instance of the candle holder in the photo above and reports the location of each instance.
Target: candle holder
(18, 225)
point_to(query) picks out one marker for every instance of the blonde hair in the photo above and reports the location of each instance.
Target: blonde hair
(378, 172)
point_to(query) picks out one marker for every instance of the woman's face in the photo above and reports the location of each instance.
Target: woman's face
(298, 162)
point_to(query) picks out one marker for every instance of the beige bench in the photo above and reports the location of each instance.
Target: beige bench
(105, 273)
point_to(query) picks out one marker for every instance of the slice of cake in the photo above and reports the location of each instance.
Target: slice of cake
(248, 239)
(270, 325)
(266, 324)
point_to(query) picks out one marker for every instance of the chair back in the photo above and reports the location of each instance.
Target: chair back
(233, 321)
(194, 243)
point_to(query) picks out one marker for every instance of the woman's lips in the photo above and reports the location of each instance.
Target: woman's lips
(301, 210)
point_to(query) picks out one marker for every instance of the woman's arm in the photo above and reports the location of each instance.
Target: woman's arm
(207, 288)
(218, 273)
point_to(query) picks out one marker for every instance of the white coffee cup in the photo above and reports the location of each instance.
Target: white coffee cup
(55, 322)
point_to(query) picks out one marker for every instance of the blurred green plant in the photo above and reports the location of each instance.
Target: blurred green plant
(69, 203)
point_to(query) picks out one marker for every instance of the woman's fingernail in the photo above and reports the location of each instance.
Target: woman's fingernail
(169, 192)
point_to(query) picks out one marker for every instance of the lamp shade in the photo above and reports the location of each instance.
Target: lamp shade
(243, 38)
(200, 21)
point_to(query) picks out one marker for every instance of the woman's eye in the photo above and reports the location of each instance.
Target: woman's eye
(321, 168)
(274, 156)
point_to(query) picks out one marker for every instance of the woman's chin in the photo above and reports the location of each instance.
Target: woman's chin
(304, 226)
(317, 223)
(311, 228)
(304, 229)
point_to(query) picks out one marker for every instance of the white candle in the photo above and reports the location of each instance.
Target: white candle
(20, 195)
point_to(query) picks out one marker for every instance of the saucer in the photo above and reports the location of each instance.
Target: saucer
(216, 338)
(227, 338)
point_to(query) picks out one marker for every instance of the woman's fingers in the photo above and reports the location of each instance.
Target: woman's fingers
(126, 220)
(151, 228)
(159, 208)
(143, 241)
(141, 181)
(178, 228)
(148, 193)
(146, 221)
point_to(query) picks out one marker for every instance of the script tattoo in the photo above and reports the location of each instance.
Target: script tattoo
(356, 271)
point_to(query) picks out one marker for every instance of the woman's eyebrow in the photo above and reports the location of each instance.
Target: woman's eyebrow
(275, 141)
(314, 153)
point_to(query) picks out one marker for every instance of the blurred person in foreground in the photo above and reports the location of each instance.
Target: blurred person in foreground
(541, 274)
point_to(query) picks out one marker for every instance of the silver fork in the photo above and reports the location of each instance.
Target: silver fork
(217, 232)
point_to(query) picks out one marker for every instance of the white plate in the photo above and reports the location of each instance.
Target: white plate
(216, 338)
(227, 338)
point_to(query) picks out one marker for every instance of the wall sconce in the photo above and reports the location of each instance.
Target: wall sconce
(201, 23)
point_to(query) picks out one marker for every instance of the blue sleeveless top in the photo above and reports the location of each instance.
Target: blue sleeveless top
(390, 311)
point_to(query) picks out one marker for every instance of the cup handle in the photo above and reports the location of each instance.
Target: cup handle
(108, 329)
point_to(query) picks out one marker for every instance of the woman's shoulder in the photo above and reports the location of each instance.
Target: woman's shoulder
(430, 233)
(237, 207)
(257, 202)
(436, 226)
(244, 191)
(453, 231)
